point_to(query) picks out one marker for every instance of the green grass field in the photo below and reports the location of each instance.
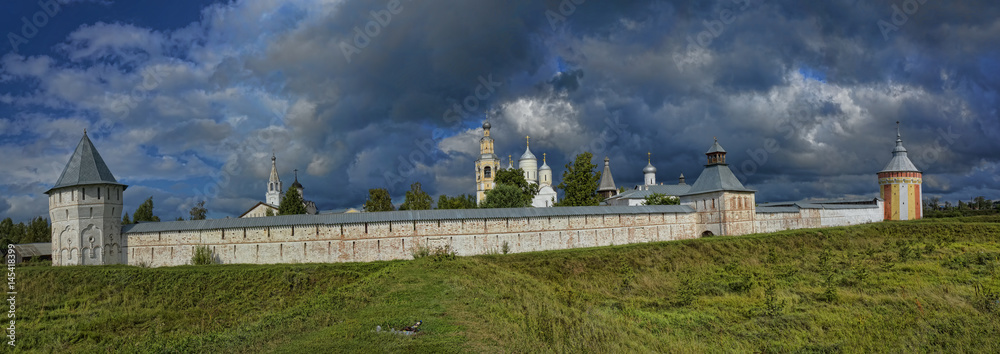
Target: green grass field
(928, 285)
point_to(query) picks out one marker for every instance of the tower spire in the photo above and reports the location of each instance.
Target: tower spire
(898, 137)
(649, 157)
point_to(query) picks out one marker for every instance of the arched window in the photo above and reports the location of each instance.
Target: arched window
(486, 172)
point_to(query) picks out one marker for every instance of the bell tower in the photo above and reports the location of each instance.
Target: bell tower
(85, 206)
(486, 166)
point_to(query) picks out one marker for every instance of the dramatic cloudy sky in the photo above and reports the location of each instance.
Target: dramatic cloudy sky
(186, 100)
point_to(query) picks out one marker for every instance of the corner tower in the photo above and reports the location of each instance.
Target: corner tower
(486, 166)
(85, 206)
(900, 185)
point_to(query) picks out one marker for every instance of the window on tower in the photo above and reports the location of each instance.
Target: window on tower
(486, 172)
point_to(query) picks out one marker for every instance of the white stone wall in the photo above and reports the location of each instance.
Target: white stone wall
(844, 217)
(398, 240)
(815, 218)
(374, 241)
(86, 225)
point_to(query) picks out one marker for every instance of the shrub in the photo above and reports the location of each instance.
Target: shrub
(203, 256)
(436, 254)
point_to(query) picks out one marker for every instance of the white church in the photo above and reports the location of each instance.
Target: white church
(488, 164)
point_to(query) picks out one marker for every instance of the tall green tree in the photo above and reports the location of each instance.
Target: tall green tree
(125, 219)
(39, 230)
(662, 199)
(292, 203)
(515, 177)
(464, 201)
(379, 200)
(7, 234)
(36, 230)
(416, 199)
(580, 182)
(198, 211)
(505, 196)
(144, 213)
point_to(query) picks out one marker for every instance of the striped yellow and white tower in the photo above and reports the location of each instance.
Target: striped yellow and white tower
(900, 185)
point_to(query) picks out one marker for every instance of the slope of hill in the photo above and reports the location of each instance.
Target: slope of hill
(929, 285)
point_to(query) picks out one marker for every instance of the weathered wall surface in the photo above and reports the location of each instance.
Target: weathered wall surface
(843, 217)
(815, 218)
(373, 241)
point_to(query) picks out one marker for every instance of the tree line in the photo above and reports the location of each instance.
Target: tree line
(978, 205)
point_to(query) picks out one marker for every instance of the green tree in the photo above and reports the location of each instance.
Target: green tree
(515, 177)
(6, 233)
(268, 212)
(580, 182)
(661, 199)
(505, 196)
(145, 212)
(292, 203)
(464, 201)
(125, 219)
(416, 199)
(179, 219)
(981, 203)
(198, 211)
(38, 230)
(379, 200)
(962, 205)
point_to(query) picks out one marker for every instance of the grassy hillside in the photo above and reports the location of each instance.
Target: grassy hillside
(929, 285)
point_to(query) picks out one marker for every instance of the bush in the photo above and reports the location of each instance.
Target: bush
(203, 256)
(436, 254)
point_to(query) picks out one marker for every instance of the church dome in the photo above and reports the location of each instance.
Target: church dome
(545, 166)
(649, 169)
(486, 125)
(528, 155)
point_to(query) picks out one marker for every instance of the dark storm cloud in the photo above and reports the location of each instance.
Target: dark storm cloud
(803, 95)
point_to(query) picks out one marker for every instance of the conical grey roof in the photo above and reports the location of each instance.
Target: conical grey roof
(607, 182)
(899, 162)
(85, 167)
(716, 148)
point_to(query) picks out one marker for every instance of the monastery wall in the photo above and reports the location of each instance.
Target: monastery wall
(816, 218)
(374, 241)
